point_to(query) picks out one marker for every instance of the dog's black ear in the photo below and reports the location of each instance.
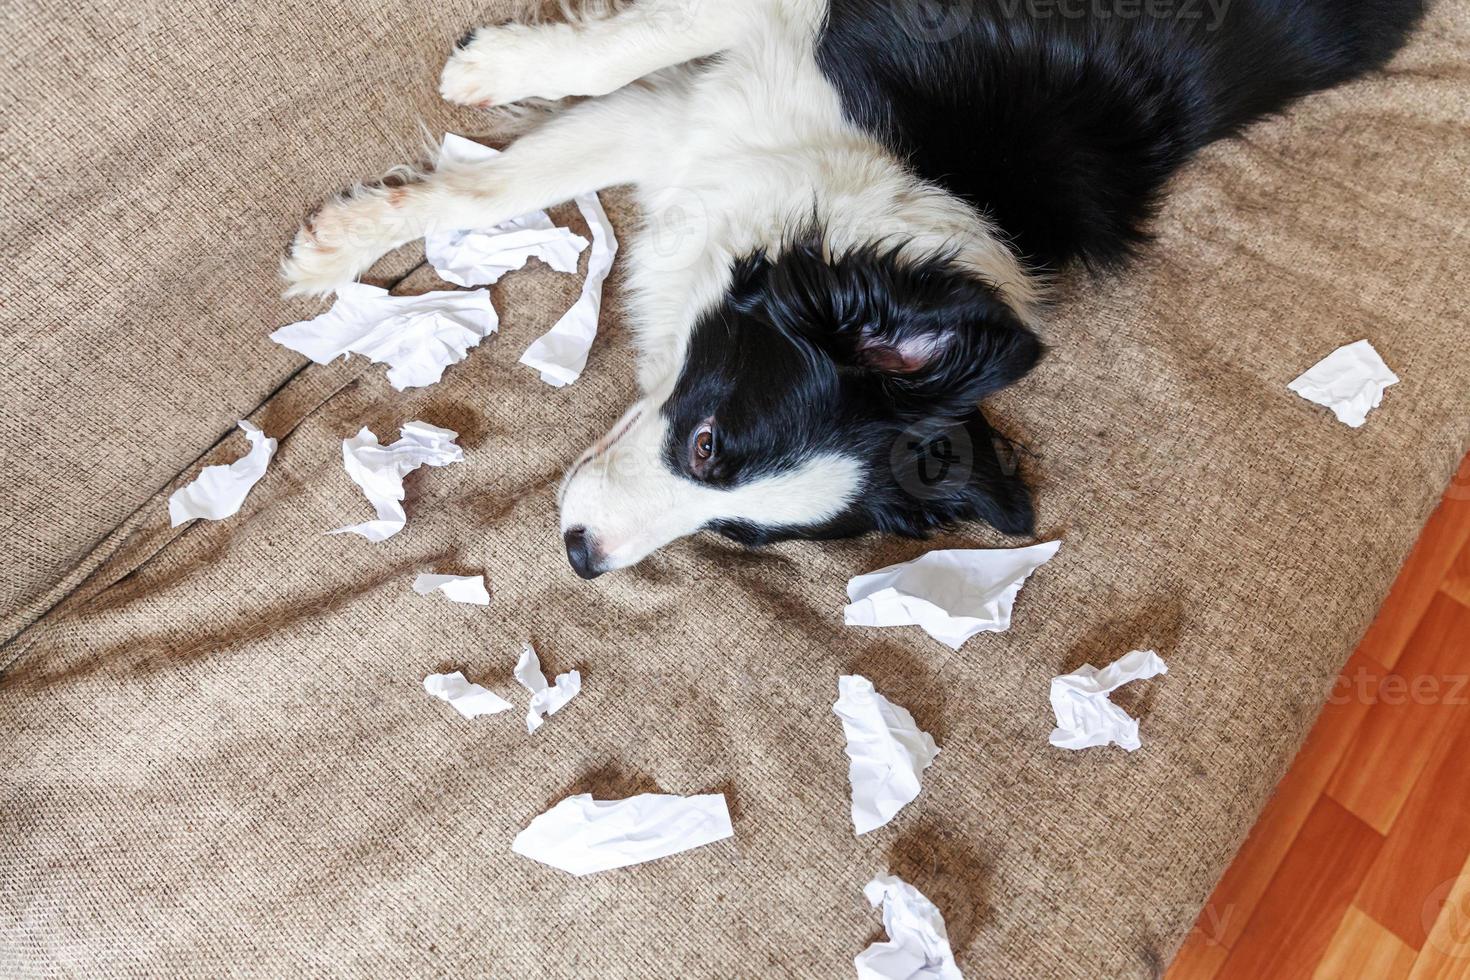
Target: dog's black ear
(949, 471)
(939, 337)
(944, 357)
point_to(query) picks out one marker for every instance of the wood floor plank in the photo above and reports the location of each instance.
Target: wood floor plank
(1200, 958)
(1363, 948)
(1297, 917)
(1245, 881)
(1446, 954)
(1439, 545)
(1457, 581)
(1440, 563)
(1409, 716)
(1429, 842)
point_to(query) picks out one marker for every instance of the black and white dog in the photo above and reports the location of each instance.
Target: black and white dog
(871, 194)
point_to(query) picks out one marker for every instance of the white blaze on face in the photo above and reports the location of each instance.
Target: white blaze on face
(630, 501)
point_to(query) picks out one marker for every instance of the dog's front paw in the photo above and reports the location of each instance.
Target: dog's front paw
(498, 66)
(311, 268)
(327, 252)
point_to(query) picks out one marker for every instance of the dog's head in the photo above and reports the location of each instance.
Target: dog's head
(821, 398)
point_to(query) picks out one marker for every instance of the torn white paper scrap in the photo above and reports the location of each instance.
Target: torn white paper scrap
(545, 699)
(581, 835)
(1350, 381)
(379, 471)
(416, 336)
(887, 752)
(952, 595)
(470, 700)
(918, 944)
(455, 148)
(479, 257)
(1085, 716)
(561, 353)
(459, 588)
(219, 491)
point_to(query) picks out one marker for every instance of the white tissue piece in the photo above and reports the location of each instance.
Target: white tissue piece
(561, 353)
(582, 836)
(470, 700)
(1350, 381)
(918, 943)
(219, 491)
(379, 471)
(416, 336)
(952, 595)
(545, 699)
(1085, 716)
(458, 588)
(886, 751)
(479, 257)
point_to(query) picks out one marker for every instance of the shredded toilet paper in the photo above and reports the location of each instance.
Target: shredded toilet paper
(470, 700)
(918, 944)
(219, 491)
(479, 256)
(379, 470)
(416, 336)
(887, 752)
(458, 588)
(1350, 381)
(561, 353)
(1085, 716)
(952, 595)
(419, 336)
(545, 699)
(582, 836)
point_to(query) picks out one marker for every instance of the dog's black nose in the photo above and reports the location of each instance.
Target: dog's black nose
(581, 553)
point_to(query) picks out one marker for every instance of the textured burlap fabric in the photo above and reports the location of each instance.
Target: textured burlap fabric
(217, 758)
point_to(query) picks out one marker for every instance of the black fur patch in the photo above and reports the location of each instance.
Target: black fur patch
(1064, 119)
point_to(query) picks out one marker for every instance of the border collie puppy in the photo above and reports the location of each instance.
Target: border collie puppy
(850, 208)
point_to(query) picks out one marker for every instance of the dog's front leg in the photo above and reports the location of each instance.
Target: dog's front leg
(499, 65)
(598, 144)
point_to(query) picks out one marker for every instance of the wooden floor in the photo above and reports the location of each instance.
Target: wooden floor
(1360, 864)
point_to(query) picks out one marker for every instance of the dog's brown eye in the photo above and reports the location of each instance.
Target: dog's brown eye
(704, 442)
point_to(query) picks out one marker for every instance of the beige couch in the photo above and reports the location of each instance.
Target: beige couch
(215, 755)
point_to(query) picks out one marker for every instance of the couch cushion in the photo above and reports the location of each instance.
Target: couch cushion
(222, 756)
(159, 162)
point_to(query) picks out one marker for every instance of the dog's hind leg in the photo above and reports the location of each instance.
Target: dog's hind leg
(600, 143)
(500, 65)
